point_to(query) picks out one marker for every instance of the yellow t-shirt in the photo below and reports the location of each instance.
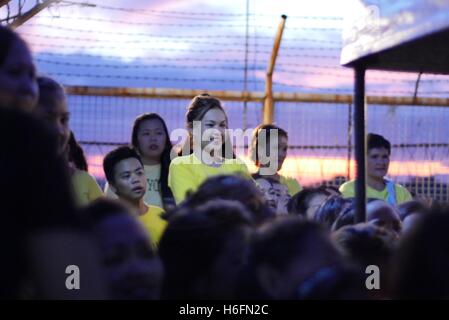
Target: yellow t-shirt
(86, 188)
(154, 224)
(152, 195)
(347, 189)
(292, 184)
(187, 173)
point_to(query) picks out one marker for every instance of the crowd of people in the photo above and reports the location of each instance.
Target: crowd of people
(174, 224)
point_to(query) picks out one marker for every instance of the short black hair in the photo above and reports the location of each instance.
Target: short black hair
(267, 130)
(330, 210)
(299, 203)
(278, 242)
(195, 239)
(103, 208)
(232, 187)
(50, 91)
(7, 38)
(114, 157)
(407, 208)
(377, 141)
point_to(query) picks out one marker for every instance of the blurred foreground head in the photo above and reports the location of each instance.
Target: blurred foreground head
(131, 267)
(292, 258)
(422, 264)
(204, 249)
(235, 188)
(42, 233)
(18, 85)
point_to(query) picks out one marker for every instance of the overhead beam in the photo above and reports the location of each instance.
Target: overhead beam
(251, 96)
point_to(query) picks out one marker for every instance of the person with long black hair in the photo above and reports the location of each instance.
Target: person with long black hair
(151, 140)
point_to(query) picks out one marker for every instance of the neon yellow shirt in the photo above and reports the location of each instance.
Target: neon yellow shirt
(292, 184)
(154, 224)
(402, 194)
(152, 195)
(86, 188)
(187, 173)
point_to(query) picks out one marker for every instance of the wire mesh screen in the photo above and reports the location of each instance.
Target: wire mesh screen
(102, 123)
(320, 136)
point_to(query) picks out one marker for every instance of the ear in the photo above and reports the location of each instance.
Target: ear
(113, 188)
(268, 279)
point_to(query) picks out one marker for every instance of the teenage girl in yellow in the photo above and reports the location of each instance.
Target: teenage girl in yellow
(207, 152)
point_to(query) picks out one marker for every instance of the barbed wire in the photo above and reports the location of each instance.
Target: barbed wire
(140, 34)
(174, 66)
(190, 13)
(152, 35)
(131, 66)
(313, 28)
(125, 77)
(350, 90)
(286, 55)
(347, 76)
(184, 25)
(60, 46)
(86, 55)
(368, 90)
(224, 44)
(340, 68)
(157, 24)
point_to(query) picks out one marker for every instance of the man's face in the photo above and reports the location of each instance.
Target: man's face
(378, 162)
(129, 179)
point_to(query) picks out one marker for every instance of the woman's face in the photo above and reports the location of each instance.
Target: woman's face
(213, 130)
(151, 139)
(18, 85)
(132, 269)
(57, 116)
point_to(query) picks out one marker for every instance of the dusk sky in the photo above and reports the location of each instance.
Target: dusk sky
(199, 44)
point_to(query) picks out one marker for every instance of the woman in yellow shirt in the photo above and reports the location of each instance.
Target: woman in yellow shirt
(52, 108)
(207, 151)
